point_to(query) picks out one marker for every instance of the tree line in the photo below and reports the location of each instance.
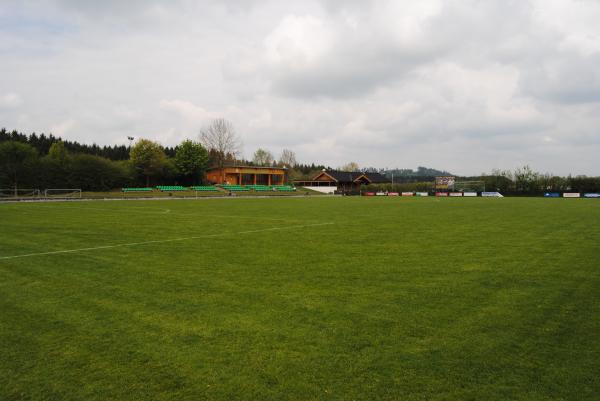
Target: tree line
(521, 181)
(42, 143)
(45, 161)
(525, 181)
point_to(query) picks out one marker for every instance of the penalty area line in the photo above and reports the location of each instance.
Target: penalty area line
(95, 248)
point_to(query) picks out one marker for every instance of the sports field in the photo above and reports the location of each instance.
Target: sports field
(301, 299)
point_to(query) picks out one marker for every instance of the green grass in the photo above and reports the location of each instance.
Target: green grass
(398, 299)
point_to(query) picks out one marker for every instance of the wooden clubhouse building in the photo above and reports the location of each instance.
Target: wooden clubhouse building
(329, 181)
(247, 175)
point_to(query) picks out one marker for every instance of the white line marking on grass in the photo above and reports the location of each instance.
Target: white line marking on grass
(162, 241)
(103, 209)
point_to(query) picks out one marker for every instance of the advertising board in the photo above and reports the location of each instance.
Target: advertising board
(456, 194)
(441, 194)
(422, 193)
(591, 195)
(551, 195)
(571, 195)
(407, 194)
(393, 194)
(444, 182)
(470, 194)
(492, 195)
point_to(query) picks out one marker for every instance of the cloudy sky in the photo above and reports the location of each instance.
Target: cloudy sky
(465, 86)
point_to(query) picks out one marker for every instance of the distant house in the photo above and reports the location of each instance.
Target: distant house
(329, 181)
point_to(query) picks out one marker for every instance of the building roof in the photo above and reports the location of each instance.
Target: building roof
(377, 178)
(257, 167)
(351, 176)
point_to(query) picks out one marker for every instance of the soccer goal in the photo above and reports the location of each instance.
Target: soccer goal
(59, 193)
(469, 186)
(18, 193)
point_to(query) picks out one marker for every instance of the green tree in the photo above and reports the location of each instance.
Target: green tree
(191, 159)
(148, 158)
(16, 159)
(58, 152)
(90, 172)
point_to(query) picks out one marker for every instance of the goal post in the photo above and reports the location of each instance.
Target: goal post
(469, 186)
(19, 193)
(62, 193)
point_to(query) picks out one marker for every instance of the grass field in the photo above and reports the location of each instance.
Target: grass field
(118, 194)
(301, 299)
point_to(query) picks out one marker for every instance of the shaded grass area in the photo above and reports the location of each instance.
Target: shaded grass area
(400, 298)
(193, 194)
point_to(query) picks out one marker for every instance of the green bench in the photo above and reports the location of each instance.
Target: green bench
(260, 187)
(204, 188)
(170, 188)
(234, 188)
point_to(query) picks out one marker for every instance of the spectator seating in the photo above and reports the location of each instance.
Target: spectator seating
(136, 189)
(204, 188)
(170, 188)
(235, 188)
(260, 188)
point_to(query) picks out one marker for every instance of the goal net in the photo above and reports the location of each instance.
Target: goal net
(12, 193)
(58, 193)
(469, 186)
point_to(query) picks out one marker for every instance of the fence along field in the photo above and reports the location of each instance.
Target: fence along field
(396, 298)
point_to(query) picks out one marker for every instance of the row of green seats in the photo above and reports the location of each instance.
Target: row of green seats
(204, 188)
(170, 188)
(234, 188)
(229, 187)
(261, 187)
(272, 187)
(258, 188)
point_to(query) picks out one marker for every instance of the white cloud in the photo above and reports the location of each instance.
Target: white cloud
(63, 128)
(460, 85)
(189, 111)
(10, 101)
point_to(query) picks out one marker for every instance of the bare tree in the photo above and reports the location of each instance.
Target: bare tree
(288, 158)
(262, 157)
(220, 139)
(350, 167)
